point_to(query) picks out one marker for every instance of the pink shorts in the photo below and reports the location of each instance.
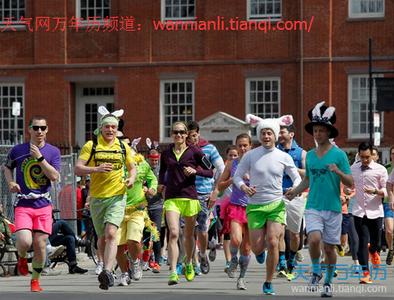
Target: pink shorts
(223, 207)
(234, 213)
(34, 219)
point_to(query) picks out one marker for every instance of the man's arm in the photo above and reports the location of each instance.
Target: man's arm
(81, 169)
(292, 192)
(49, 170)
(346, 179)
(12, 185)
(303, 163)
(390, 194)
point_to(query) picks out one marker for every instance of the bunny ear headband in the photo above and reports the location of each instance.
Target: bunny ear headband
(134, 143)
(108, 118)
(322, 115)
(273, 124)
(155, 146)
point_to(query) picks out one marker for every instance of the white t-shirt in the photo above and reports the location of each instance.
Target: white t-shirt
(266, 168)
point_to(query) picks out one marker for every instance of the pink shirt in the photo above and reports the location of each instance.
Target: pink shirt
(374, 177)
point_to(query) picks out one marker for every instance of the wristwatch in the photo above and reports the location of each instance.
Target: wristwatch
(40, 159)
(375, 192)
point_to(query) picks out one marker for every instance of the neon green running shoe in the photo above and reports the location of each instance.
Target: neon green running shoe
(189, 272)
(174, 279)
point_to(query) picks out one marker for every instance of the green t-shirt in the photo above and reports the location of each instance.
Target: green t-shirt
(389, 168)
(324, 185)
(136, 194)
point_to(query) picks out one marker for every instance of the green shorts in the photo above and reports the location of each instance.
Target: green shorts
(107, 210)
(184, 206)
(259, 214)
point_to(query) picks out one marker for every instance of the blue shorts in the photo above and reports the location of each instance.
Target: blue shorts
(388, 213)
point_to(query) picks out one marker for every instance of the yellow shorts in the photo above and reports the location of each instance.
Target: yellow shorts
(185, 207)
(131, 228)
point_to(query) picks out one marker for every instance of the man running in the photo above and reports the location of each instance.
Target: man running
(265, 211)
(326, 167)
(106, 162)
(37, 163)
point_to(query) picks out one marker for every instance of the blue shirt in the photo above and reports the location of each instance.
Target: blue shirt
(295, 152)
(324, 191)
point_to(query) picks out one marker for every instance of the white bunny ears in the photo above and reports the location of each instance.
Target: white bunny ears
(273, 124)
(328, 113)
(103, 111)
(134, 143)
(151, 146)
(322, 115)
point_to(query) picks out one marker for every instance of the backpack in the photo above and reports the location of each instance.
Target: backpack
(93, 151)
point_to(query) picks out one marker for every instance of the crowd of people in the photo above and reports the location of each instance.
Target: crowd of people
(260, 200)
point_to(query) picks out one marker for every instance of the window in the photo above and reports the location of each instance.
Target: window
(366, 8)
(12, 10)
(11, 93)
(99, 9)
(178, 9)
(263, 97)
(264, 9)
(177, 99)
(358, 90)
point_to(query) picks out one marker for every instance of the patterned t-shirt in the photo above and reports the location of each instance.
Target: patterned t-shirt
(30, 176)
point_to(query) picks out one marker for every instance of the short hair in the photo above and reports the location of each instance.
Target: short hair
(36, 118)
(365, 146)
(376, 149)
(153, 151)
(193, 125)
(290, 128)
(231, 147)
(243, 136)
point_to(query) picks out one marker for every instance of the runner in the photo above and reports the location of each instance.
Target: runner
(265, 166)
(37, 163)
(131, 229)
(294, 209)
(235, 221)
(370, 180)
(179, 165)
(205, 186)
(326, 167)
(105, 159)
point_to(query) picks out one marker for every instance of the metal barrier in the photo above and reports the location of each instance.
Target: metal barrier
(63, 192)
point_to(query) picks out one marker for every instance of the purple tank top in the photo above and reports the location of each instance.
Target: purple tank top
(238, 197)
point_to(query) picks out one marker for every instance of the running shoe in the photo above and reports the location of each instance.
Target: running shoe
(155, 267)
(179, 269)
(241, 284)
(261, 258)
(375, 259)
(106, 280)
(313, 284)
(282, 272)
(145, 266)
(389, 258)
(226, 267)
(99, 267)
(174, 279)
(340, 250)
(23, 268)
(299, 256)
(35, 285)
(189, 272)
(327, 291)
(268, 289)
(136, 270)
(233, 267)
(197, 270)
(204, 263)
(366, 279)
(212, 254)
(124, 279)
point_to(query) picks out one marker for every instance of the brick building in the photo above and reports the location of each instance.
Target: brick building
(56, 64)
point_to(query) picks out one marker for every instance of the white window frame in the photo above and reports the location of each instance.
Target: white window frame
(100, 20)
(15, 23)
(188, 18)
(248, 94)
(163, 137)
(356, 98)
(256, 17)
(11, 118)
(367, 14)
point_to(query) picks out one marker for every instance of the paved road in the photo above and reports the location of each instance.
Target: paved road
(215, 285)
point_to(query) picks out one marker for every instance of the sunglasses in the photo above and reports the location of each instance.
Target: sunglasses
(35, 127)
(181, 132)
